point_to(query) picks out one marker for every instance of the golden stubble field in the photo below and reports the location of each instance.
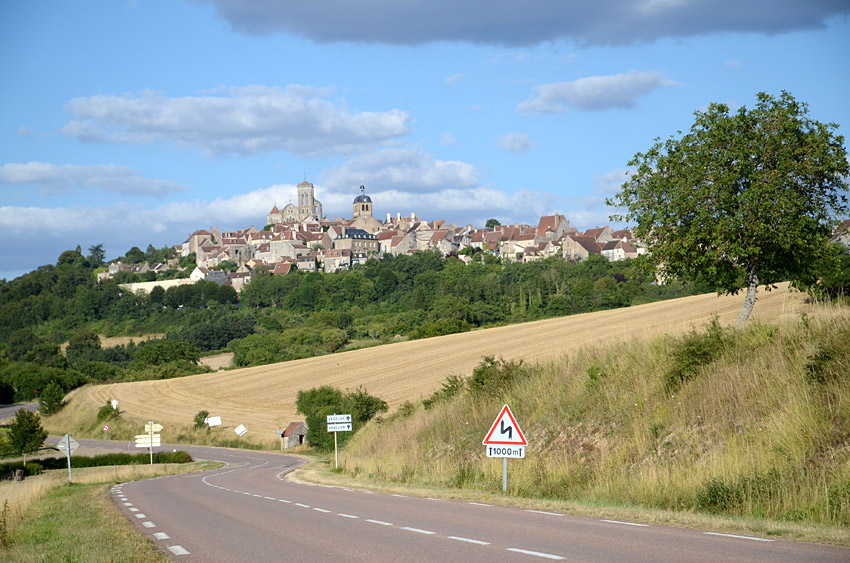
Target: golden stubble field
(263, 398)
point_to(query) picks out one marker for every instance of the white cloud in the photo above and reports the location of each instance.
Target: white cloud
(403, 169)
(734, 64)
(610, 183)
(594, 93)
(454, 78)
(24, 131)
(447, 140)
(52, 179)
(517, 143)
(297, 119)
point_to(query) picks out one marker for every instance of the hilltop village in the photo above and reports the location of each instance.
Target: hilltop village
(299, 237)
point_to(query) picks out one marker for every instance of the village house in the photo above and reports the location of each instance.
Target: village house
(576, 248)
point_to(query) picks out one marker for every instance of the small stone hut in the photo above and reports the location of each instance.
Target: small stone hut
(295, 434)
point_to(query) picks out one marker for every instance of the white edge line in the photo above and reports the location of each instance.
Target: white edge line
(321, 510)
(468, 540)
(543, 512)
(347, 515)
(738, 537)
(624, 523)
(479, 504)
(380, 522)
(536, 553)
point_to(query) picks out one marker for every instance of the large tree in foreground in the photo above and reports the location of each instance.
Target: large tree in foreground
(742, 199)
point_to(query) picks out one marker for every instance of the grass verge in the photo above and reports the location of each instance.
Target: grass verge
(320, 471)
(49, 519)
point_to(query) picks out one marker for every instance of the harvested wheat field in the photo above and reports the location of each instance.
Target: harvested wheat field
(263, 398)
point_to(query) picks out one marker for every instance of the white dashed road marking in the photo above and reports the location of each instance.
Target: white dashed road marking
(161, 536)
(380, 523)
(418, 531)
(348, 516)
(536, 554)
(738, 537)
(625, 523)
(468, 540)
(148, 524)
(543, 512)
(177, 550)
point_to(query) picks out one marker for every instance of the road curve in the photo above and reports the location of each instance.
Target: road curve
(248, 511)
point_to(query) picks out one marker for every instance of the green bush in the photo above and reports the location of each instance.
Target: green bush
(831, 362)
(200, 418)
(34, 467)
(452, 386)
(492, 376)
(106, 413)
(694, 351)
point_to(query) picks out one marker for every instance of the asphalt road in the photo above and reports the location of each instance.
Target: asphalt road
(248, 511)
(8, 411)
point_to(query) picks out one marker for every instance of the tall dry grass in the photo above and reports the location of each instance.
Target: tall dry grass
(752, 433)
(21, 495)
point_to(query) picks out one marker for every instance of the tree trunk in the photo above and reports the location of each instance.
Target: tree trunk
(749, 300)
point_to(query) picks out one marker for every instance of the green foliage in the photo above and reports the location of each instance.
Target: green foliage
(317, 403)
(451, 387)
(741, 199)
(693, 352)
(831, 362)
(107, 413)
(104, 460)
(51, 399)
(492, 377)
(492, 223)
(200, 419)
(154, 353)
(25, 432)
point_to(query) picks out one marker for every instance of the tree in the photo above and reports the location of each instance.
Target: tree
(741, 199)
(97, 255)
(52, 399)
(26, 433)
(492, 223)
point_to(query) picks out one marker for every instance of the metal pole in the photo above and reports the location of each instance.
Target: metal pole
(150, 446)
(336, 454)
(504, 474)
(68, 451)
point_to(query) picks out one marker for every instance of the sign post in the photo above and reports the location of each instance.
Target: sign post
(338, 423)
(69, 446)
(106, 430)
(504, 440)
(149, 439)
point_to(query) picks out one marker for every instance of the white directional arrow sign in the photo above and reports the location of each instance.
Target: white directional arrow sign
(146, 440)
(151, 427)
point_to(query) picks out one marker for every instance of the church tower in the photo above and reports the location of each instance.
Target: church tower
(362, 204)
(308, 205)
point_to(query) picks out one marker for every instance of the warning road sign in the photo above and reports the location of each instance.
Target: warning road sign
(505, 431)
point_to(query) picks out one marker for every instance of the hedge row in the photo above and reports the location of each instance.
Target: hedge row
(36, 466)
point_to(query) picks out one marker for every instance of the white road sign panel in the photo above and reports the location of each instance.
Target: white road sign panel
(153, 427)
(332, 418)
(340, 427)
(145, 440)
(241, 430)
(213, 421)
(505, 431)
(64, 442)
(506, 451)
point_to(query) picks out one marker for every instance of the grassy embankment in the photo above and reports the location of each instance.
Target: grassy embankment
(45, 518)
(752, 425)
(263, 397)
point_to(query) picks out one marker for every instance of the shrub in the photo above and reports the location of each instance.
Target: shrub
(694, 351)
(106, 412)
(200, 419)
(831, 362)
(494, 376)
(452, 386)
(52, 399)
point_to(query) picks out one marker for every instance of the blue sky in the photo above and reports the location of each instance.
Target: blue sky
(136, 123)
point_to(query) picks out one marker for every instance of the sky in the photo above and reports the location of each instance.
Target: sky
(129, 123)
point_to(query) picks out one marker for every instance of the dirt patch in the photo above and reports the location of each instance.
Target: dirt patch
(219, 361)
